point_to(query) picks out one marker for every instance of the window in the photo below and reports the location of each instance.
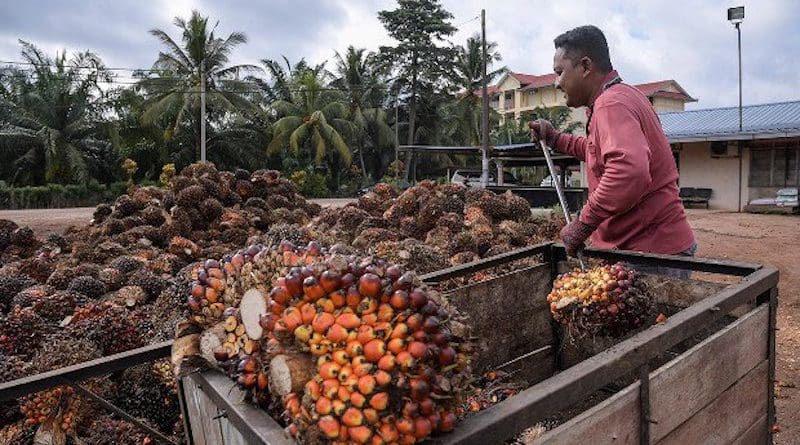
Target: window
(776, 166)
(509, 99)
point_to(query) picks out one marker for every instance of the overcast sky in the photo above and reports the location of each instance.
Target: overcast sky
(689, 41)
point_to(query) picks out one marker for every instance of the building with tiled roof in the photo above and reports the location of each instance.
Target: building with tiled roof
(515, 93)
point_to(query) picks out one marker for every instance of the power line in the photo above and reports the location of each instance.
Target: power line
(468, 21)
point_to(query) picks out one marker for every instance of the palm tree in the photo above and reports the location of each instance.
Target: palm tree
(55, 112)
(173, 86)
(313, 124)
(358, 76)
(467, 78)
(283, 78)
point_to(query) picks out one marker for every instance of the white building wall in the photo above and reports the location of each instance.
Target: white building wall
(699, 169)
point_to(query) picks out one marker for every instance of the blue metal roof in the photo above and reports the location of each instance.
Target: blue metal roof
(780, 119)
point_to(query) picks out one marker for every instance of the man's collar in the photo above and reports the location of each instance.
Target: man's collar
(610, 79)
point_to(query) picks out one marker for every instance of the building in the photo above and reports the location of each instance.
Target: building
(516, 93)
(738, 166)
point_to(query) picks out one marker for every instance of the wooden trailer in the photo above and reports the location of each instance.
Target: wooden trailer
(705, 375)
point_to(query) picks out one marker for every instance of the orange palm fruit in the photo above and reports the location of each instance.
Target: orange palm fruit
(337, 333)
(354, 348)
(379, 401)
(338, 407)
(353, 417)
(323, 406)
(348, 320)
(371, 416)
(405, 426)
(357, 399)
(340, 356)
(374, 350)
(322, 321)
(360, 434)
(366, 384)
(307, 312)
(388, 432)
(405, 360)
(417, 349)
(330, 387)
(329, 426)
(422, 428)
(313, 390)
(387, 363)
(382, 378)
(329, 370)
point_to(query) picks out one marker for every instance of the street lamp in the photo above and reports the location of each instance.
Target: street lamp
(736, 16)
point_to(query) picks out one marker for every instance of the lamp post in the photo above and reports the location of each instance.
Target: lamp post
(736, 16)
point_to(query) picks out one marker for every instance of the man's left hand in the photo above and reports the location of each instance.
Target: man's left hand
(574, 236)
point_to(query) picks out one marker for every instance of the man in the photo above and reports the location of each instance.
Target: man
(633, 182)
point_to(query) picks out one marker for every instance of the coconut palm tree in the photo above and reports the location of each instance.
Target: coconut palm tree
(467, 76)
(54, 112)
(173, 85)
(314, 124)
(359, 77)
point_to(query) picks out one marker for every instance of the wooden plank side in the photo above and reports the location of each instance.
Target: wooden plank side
(756, 434)
(685, 385)
(208, 412)
(509, 417)
(729, 415)
(230, 435)
(196, 424)
(509, 315)
(615, 421)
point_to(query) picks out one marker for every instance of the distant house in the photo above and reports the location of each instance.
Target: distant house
(739, 166)
(516, 93)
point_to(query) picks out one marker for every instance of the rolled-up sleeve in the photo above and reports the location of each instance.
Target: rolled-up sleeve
(625, 155)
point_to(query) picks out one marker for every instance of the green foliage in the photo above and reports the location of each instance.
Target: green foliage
(422, 57)
(312, 185)
(60, 195)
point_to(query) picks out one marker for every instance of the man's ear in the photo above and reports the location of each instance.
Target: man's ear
(587, 65)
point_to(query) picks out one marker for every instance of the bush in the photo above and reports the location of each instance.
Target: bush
(312, 185)
(59, 196)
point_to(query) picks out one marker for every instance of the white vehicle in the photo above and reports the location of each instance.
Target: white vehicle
(472, 177)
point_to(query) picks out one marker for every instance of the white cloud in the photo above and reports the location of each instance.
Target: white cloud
(686, 40)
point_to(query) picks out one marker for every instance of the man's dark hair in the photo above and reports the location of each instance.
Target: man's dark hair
(586, 41)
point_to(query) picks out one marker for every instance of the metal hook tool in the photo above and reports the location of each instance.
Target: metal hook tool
(560, 192)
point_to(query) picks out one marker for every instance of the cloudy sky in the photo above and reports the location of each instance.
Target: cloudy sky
(689, 41)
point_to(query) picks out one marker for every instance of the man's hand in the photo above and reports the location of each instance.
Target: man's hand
(543, 130)
(574, 235)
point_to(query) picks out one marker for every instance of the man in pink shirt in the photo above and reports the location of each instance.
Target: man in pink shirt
(633, 181)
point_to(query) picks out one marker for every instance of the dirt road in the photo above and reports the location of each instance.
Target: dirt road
(770, 240)
(767, 239)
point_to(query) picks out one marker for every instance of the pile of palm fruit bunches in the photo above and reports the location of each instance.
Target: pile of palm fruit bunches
(119, 282)
(603, 300)
(346, 349)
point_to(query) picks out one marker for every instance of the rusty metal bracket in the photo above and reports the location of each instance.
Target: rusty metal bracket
(118, 411)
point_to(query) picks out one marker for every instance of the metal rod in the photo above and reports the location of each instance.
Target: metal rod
(526, 355)
(739, 38)
(485, 114)
(203, 111)
(111, 407)
(560, 192)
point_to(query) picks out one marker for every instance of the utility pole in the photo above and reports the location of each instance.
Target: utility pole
(485, 114)
(396, 126)
(203, 111)
(739, 38)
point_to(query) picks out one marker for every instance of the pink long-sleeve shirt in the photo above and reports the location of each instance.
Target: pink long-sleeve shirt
(633, 180)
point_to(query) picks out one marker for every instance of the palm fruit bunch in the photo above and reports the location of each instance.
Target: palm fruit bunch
(604, 300)
(22, 331)
(59, 404)
(112, 328)
(109, 431)
(141, 392)
(459, 223)
(353, 349)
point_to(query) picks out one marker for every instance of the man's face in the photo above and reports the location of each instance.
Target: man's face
(572, 79)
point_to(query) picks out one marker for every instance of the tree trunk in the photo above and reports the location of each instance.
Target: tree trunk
(289, 372)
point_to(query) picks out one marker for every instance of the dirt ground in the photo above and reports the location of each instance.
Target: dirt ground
(766, 239)
(770, 240)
